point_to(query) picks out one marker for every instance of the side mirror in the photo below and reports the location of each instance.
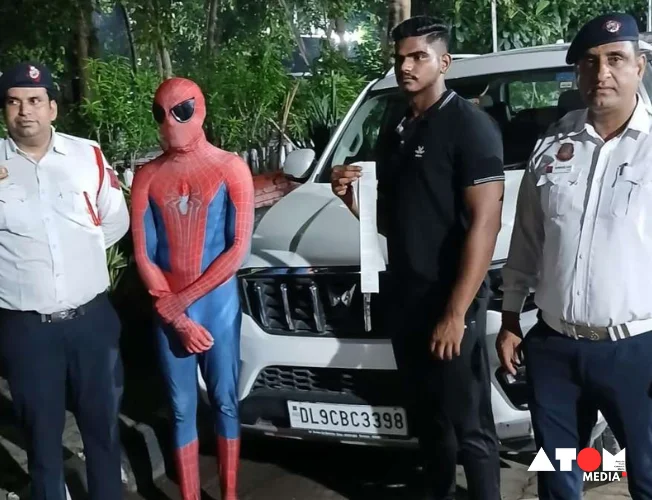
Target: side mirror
(298, 163)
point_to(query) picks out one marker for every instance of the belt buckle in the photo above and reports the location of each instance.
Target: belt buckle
(582, 332)
(65, 315)
(62, 315)
(591, 334)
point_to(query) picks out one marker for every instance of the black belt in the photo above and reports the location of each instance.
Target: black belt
(69, 314)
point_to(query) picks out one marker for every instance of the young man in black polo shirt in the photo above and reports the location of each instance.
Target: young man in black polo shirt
(440, 183)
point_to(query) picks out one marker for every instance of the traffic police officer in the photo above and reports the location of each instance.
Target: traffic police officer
(581, 240)
(440, 183)
(61, 206)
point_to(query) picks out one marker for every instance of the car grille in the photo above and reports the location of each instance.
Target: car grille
(372, 386)
(311, 302)
(325, 302)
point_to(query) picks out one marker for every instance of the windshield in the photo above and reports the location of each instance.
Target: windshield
(523, 104)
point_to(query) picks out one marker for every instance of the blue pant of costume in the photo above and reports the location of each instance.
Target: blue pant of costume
(219, 312)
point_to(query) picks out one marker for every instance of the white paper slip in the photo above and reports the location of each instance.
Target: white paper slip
(372, 261)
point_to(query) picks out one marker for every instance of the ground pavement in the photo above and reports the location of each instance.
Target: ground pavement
(269, 477)
(271, 469)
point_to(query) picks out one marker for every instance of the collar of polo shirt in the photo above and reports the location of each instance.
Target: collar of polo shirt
(57, 144)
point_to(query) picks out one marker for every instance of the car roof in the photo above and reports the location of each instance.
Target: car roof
(507, 61)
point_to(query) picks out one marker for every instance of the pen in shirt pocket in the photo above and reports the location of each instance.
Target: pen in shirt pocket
(91, 211)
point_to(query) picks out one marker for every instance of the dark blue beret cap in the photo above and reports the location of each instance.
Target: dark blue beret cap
(608, 28)
(26, 74)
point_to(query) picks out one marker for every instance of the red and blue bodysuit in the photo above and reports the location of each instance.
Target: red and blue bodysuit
(192, 223)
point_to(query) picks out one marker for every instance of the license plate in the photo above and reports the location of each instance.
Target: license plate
(348, 419)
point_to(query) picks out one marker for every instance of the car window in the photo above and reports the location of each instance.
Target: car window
(358, 141)
(532, 95)
(647, 76)
(523, 104)
(378, 115)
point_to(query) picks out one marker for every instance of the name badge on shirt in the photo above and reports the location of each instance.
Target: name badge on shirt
(559, 169)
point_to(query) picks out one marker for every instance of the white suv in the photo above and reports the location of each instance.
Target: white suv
(310, 370)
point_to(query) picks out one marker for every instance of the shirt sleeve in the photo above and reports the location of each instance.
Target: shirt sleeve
(521, 271)
(480, 150)
(112, 207)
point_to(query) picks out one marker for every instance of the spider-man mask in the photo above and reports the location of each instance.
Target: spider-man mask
(180, 109)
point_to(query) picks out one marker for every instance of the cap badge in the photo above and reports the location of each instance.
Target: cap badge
(34, 73)
(566, 152)
(612, 26)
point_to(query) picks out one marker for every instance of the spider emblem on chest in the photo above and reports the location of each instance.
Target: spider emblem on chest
(184, 199)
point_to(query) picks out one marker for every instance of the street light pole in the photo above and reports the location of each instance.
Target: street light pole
(494, 24)
(649, 15)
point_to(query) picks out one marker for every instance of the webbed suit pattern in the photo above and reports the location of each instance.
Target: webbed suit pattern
(192, 224)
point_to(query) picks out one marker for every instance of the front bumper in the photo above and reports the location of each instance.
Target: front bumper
(277, 369)
(267, 415)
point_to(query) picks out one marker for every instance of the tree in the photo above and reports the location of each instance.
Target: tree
(399, 10)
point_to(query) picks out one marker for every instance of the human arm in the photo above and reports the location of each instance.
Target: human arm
(194, 337)
(144, 236)
(484, 204)
(521, 271)
(240, 189)
(480, 163)
(111, 205)
(343, 178)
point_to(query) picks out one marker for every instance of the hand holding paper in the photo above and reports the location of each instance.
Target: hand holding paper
(372, 261)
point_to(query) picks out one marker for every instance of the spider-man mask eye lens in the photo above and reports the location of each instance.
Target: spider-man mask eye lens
(184, 111)
(158, 112)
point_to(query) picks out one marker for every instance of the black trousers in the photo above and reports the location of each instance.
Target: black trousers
(449, 402)
(40, 359)
(569, 380)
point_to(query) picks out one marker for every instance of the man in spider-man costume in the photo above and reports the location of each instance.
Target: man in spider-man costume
(192, 222)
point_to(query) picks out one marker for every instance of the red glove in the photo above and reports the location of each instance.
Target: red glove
(194, 337)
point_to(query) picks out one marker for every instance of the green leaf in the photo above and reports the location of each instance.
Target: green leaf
(541, 6)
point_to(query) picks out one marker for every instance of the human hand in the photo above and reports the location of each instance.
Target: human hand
(169, 307)
(446, 339)
(508, 346)
(342, 178)
(4, 173)
(194, 337)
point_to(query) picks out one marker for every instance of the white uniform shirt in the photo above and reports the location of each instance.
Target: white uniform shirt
(52, 253)
(582, 236)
